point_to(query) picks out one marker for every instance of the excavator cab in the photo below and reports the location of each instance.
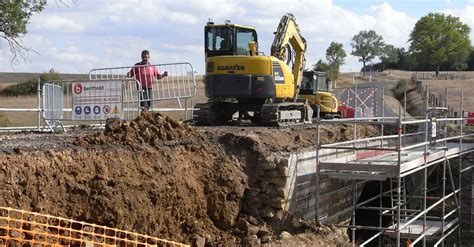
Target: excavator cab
(228, 39)
(317, 89)
(314, 82)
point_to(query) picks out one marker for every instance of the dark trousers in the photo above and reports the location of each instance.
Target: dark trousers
(146, 97)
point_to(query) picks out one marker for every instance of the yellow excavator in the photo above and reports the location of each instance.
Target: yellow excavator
(318, 90)
(239, 79)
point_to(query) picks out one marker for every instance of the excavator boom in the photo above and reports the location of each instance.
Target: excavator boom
(288, 35)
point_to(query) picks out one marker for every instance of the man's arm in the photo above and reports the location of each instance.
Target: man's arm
(131, 73)
(158, 75)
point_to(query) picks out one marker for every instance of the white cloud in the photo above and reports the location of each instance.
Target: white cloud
(183, 48)
(112, 33)
(182, 18)
(218, 9)
(393, 25)
(55, 24)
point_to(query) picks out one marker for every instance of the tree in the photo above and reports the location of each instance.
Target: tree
(367, 45)
(438, 39)
(389, 55)
(335, 55)
(470, 63)
(321, 66)
(14, 16)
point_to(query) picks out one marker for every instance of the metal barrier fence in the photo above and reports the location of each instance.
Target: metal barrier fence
(53, 99)
(24, 228)
(366, 100)
(173, 81)
(89, 100)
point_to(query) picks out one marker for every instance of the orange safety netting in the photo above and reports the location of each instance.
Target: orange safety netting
(24, 228)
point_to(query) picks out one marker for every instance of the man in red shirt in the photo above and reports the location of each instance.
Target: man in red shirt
(145, 73)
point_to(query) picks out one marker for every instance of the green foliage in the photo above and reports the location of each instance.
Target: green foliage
(367, 45)
(389, 54)
(31, 86)
(4, 121)
(335, 55)
(437, 39)
(470, 62)
(321, 66)
(15, 15)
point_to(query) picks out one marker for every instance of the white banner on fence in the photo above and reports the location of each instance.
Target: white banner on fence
(97, 100)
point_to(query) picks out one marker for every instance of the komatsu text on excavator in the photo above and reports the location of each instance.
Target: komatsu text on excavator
(239, 79)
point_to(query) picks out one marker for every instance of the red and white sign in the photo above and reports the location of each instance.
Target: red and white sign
(77, 88)
(94, 100)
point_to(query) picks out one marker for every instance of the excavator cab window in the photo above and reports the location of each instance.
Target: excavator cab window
(308, 84)
(313, 82)
(244, 37)
(219, 38)
(224, 40)
(323, 82)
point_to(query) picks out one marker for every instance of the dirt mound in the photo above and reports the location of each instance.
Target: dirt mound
(159, 177)
(152, 175)
(150, 128)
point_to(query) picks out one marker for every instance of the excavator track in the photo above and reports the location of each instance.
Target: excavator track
(204, 115)
(285, 114)
(211, 114)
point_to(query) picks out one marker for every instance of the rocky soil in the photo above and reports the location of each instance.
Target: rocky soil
(159, 177)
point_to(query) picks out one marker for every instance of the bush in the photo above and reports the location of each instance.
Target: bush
(4, 121)
(402, 86)
(31, 86)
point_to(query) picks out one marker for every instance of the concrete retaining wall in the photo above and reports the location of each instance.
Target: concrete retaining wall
(287, 182)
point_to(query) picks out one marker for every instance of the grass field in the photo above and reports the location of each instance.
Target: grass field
(455, 87)
(20, 118)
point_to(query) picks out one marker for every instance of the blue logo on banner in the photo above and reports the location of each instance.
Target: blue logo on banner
(78, 110)
(87, 110)
(96, 109)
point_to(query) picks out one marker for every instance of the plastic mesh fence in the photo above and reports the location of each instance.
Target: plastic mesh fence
(24, 228)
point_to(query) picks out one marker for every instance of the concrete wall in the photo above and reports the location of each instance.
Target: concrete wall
(287, 182)
(302, 188)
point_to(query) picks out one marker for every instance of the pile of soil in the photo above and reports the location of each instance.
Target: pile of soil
(163, 178)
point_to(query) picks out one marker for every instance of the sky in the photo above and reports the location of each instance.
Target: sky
(81, 35)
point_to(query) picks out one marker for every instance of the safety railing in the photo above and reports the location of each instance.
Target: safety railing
(25, 228)
(157, 82)
(178, 85)
(88, 100)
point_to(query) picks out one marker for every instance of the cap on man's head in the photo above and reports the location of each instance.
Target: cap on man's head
(145, 52)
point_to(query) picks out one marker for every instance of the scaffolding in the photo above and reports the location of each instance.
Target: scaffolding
(409, 156)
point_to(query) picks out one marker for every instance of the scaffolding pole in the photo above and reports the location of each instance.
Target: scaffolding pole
(431, 151)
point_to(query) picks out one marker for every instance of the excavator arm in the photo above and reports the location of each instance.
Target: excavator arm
(288, 34)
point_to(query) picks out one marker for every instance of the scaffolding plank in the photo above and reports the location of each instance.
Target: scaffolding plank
(386, 164)
(380, 168)
(413, 231)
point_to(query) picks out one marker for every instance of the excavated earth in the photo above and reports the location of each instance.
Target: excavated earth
(159, 177)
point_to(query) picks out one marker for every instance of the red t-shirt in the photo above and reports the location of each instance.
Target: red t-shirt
(145, 73)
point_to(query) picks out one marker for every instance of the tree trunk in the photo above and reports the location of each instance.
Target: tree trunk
(363, 67)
